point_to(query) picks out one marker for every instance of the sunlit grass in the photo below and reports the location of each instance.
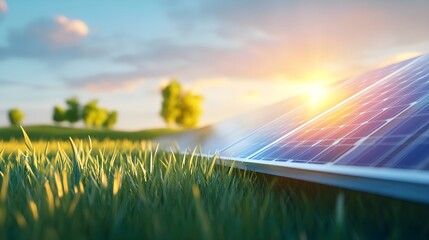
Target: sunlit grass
(125, 189)
(47, 132)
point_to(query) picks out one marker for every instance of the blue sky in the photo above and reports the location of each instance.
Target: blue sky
(239, 55)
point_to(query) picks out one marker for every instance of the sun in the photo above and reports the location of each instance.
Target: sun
(316, 93)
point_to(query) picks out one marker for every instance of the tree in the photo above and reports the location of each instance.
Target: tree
(59, 114)
(181, 108)
(16, 116)
(73, 111)
(170, 100)
(94, 116)
(101, 116)
(190, 110)
(111, 120)
(89, 113)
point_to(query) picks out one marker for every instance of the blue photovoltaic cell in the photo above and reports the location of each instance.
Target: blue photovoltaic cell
(389, 106)
(379, 120)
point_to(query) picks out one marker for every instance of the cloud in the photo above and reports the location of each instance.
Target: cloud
(62, 32)
(73, 25)
(3, 7)
(293, 39)
(109, 82)
(322, 20)
(274, 40)
(55, 39)
(169, 59)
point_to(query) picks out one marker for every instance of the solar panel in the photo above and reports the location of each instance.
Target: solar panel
(373, 135)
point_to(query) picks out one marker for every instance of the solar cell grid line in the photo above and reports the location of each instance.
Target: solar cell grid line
(360, 120)
(321, 144)
(263, 135)
(363, 80)
(332, 150)
(394, 154)
(395, 94)
(406, 126)
(417, 157)
(278, 114)
(411, 63)
(409, 154)
(320, 135)
(349, 160)
(372, 154)
(307, 134)
(227, 132)
(403, 126)
(241, 126)
(398, 108)
(248, 136)
(415, 130)
(354, 130)
(249, 144)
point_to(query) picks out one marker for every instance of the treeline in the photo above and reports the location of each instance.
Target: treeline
(91, 114)
(178, 108)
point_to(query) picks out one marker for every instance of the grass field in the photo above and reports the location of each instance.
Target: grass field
(126, 189)
(46, 132)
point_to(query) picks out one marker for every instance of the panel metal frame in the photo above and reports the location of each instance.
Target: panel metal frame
(404, 184)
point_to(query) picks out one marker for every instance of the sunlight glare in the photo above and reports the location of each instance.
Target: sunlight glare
(316, 93)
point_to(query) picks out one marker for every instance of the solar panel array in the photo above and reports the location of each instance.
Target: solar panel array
(374, 128)
(379, 120)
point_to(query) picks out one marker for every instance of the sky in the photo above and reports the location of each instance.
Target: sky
(238, 54)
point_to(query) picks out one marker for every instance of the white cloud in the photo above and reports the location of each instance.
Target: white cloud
(61, 31)
(75, 26)
(58, 38)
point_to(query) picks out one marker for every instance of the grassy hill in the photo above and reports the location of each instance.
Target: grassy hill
(44, 132)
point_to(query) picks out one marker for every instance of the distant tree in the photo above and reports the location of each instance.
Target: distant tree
(190, 106)
(73, 110)
(111, 120)
(170, 102)
(101, 116)
(94, 116)
(15, 116)
(59, 115)
(89, 113)
(181, 108)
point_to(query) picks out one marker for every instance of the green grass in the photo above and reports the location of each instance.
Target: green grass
(45, 132)
(129, 189)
